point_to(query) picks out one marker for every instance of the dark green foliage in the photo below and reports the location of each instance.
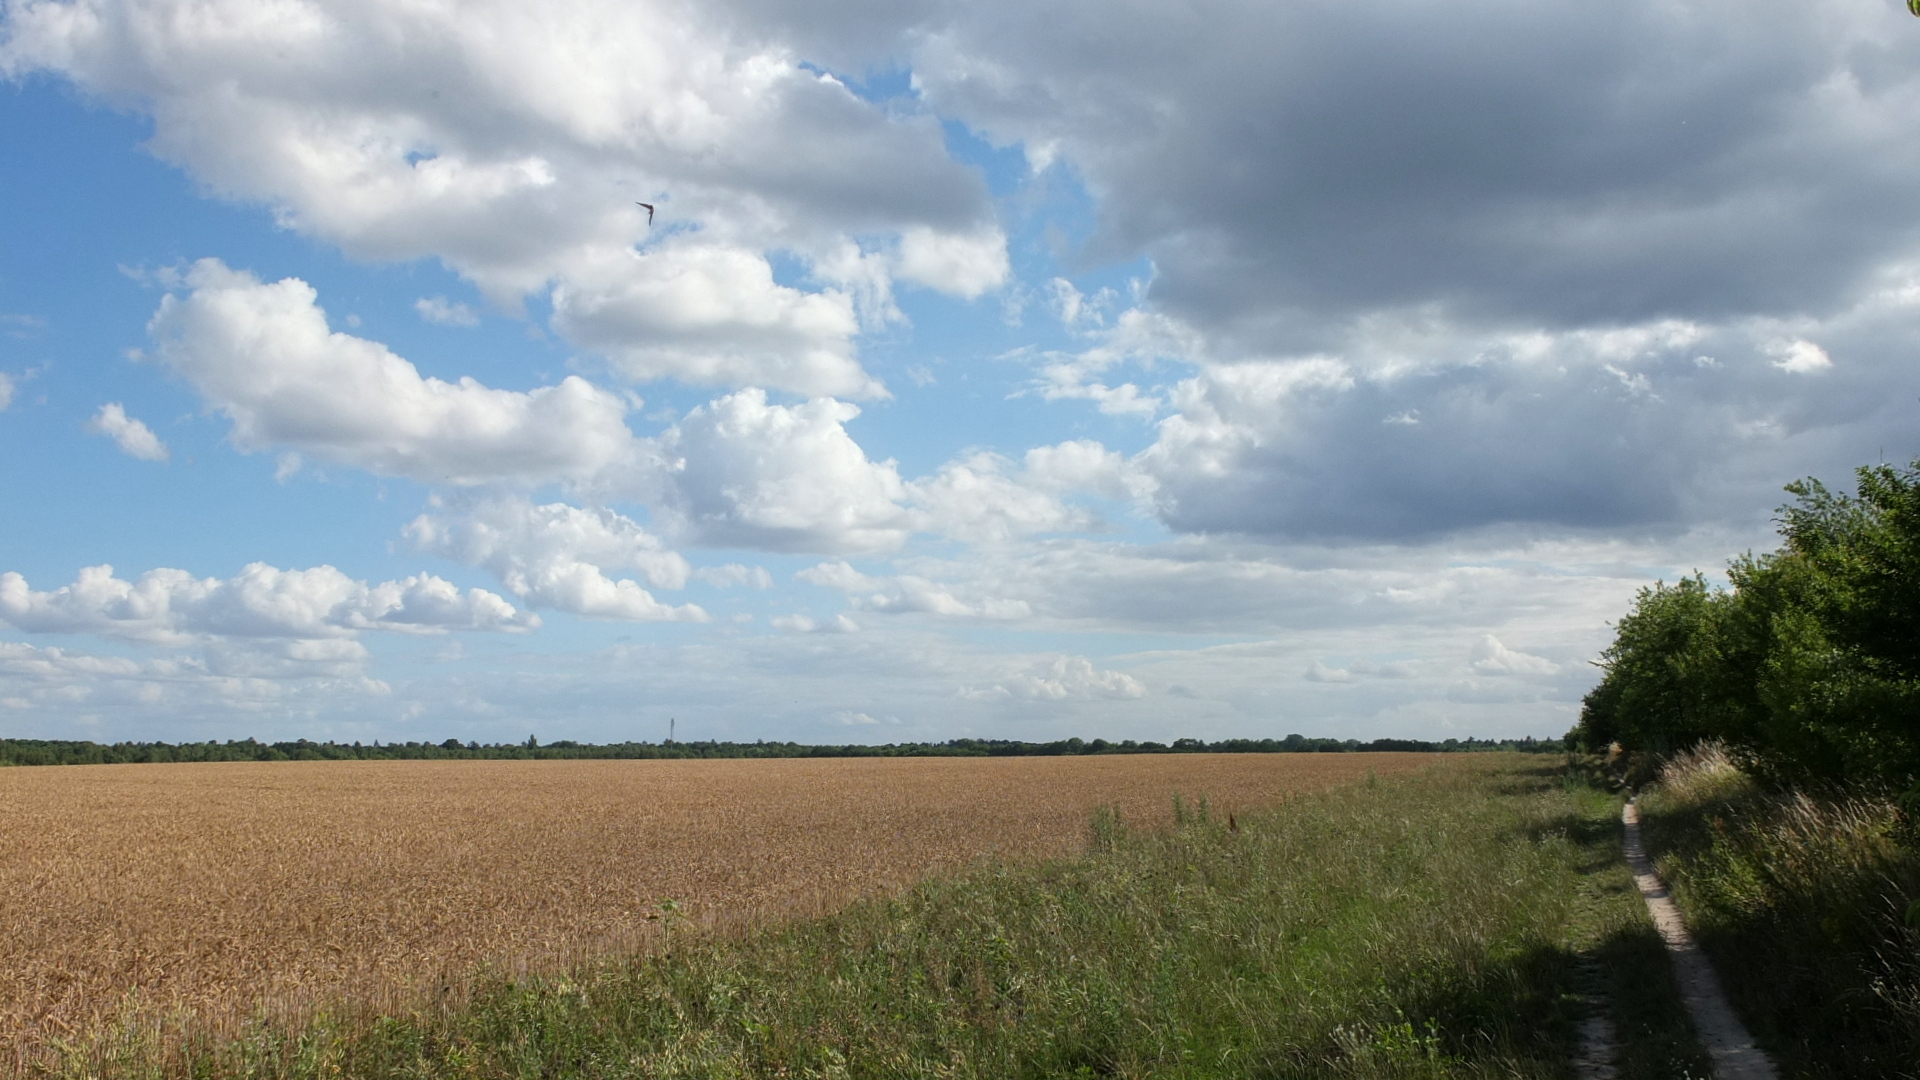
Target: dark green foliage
(65, 752)
(1654, 696)
(1808, 667)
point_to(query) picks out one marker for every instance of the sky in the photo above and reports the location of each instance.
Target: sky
(989, 369)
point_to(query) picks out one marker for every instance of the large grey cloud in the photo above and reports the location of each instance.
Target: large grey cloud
(1645, 428)
(1568, 164)
(1625, 267)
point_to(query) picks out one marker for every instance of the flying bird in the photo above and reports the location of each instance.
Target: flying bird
(649, 205)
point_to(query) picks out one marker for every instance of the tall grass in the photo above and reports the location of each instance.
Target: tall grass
(1402, 928)
(1803, 904)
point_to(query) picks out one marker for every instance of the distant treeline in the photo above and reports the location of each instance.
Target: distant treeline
(67, 752)
(1807, 667)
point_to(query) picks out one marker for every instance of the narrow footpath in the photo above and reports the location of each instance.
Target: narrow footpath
(1722, 1035)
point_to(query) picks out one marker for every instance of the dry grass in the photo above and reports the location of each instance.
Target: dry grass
(214, 893)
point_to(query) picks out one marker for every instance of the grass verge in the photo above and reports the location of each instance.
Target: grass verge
(1439, 926)
(1803, 905)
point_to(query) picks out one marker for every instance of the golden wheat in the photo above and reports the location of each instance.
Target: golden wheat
(213, 893)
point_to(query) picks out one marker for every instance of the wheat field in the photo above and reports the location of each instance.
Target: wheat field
(209, 894)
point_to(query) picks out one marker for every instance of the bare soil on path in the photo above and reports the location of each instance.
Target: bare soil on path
(1721, 1034)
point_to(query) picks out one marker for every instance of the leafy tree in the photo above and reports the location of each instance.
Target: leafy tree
(1653, 696)
(1809, 665)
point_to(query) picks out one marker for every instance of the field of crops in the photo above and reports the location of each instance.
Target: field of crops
(211, 893)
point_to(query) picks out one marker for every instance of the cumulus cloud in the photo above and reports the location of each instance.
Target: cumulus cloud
(442, 312)
(908, 593)
(807, 624)
(263, 355)
(1084, 465)
(1061, 679)
(740, 471)
(1801, 357)
(1490, 657)
(1138, 337)
(245, 678)
(557, 556)
(1290, 166)
(1414, 428)
(958, 263)
(1469, 273)
(732, 575)
(713, 315)
(511, 143)
(975, 499)
(1320, 672)
(172, 607)
(135, 439)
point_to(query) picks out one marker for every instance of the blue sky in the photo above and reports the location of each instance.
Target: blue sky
(1004, 370)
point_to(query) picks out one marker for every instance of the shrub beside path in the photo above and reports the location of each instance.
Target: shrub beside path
(1722, 1035)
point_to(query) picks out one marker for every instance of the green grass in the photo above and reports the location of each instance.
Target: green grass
(1441, 926)
(1803, 905)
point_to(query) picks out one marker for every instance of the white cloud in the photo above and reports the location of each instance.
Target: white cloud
(134, 438)
(557, 556)
(249, 679)
(712, 315)
(6, 390)
(172, 607)
(962, 264)
(1320, 672)
(1138, 337)
(1061, 679)
(441, 312)
(1605, 427)
(908, 593)
(807, 624)
(977, 501)
(1565, 166)
(512, 142)
(739, 471)
(263, 355)
(1801, 357)
(1085, 465)
(23, 326)
(1490, 657)
(732, 575)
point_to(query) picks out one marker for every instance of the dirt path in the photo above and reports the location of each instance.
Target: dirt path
(1599, 1040)
(1722, 1035)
